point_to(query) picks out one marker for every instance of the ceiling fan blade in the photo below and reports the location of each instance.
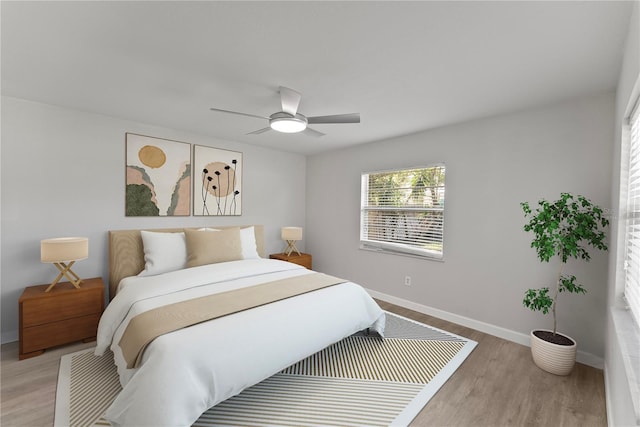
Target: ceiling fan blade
(240, 114)
(290, 100)
(313, 132)
(337, 118)
(256, 132)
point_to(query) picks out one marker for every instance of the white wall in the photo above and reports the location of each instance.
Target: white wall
(492, 165)
(63, 175)
(622, 333)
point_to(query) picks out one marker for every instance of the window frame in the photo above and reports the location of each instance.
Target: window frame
(625, 325)
(393, 247)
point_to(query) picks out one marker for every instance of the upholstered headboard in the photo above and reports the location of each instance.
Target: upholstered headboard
(126, 252)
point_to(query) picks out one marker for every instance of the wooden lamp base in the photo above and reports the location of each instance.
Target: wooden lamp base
(65, 270)
(291, 246)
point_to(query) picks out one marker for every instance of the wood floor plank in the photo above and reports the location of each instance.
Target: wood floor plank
(498, 385)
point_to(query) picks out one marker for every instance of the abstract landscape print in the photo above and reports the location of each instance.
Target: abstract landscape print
(217, 184)
(158, 177)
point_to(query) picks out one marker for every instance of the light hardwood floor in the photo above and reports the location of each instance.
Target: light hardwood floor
(498, 385)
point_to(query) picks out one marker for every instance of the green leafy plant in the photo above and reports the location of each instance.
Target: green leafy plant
(564, 228)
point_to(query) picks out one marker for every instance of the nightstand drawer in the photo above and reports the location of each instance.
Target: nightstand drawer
(58, 333)
(52, 309)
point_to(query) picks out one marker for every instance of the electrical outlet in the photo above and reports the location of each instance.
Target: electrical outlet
(407, 280)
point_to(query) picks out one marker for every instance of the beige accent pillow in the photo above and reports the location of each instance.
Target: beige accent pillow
(204, 247)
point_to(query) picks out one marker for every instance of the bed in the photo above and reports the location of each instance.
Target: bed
(181, 373)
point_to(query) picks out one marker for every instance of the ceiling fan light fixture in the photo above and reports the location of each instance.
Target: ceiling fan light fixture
(288, 124)
(288, 120)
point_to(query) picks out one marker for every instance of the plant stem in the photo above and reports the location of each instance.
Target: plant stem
(555, 297)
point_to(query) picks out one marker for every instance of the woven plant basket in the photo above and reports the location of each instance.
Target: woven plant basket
(553, 358)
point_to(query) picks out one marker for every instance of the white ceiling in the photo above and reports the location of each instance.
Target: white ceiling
(405, 66)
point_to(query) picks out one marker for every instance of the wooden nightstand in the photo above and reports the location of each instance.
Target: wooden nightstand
(63, 315)
(302, 259)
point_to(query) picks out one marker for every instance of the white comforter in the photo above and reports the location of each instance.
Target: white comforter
(185, 372)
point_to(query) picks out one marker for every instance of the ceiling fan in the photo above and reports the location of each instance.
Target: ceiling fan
(290, 121)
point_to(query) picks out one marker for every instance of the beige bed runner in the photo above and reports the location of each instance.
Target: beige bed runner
(147, 326)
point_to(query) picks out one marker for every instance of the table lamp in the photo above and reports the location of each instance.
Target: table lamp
(63, 252)
(291, 235)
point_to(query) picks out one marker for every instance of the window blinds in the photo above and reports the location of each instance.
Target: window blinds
(403, 211)
(632, 256)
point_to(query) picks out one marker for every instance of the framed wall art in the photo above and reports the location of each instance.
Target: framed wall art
(217, 184)
(158, 176)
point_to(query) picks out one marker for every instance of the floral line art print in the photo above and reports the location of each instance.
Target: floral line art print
(220, 182)
(211, 184)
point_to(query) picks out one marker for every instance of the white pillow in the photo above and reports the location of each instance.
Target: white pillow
(163, 252)
(247, 239)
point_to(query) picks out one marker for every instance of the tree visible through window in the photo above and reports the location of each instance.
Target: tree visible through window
(403, 211)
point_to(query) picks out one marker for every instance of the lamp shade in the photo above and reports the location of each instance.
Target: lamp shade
(291, 233)
(64, 249)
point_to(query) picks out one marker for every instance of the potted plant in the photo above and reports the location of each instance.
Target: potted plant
(564, 229)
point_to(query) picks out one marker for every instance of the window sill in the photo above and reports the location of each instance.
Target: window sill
(628, 337)
(405, 254)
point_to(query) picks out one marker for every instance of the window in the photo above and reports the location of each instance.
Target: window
(402, 211)
(632, 244)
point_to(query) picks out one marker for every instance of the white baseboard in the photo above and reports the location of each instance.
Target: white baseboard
(487, 328)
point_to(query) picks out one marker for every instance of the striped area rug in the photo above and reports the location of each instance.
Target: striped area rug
(362, 380)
